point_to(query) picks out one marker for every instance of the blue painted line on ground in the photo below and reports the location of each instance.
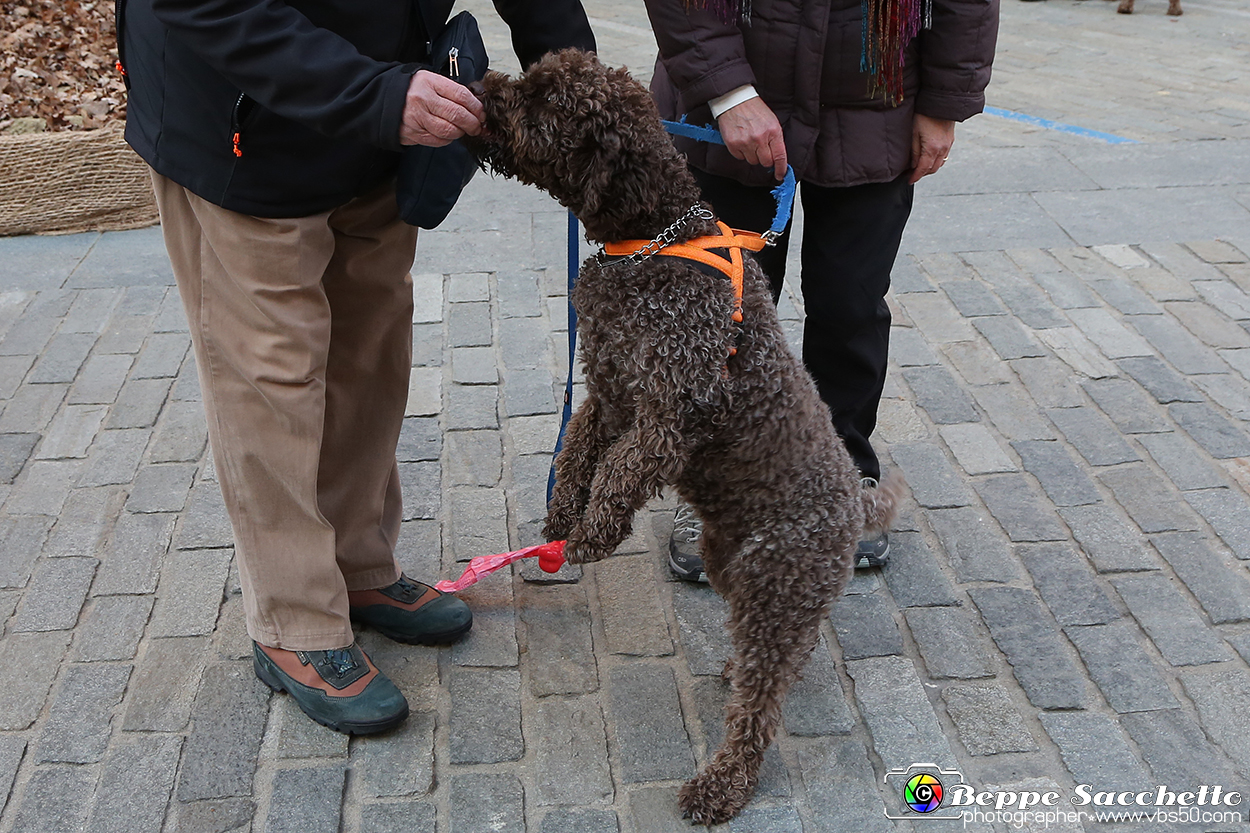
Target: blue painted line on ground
(1109, 138)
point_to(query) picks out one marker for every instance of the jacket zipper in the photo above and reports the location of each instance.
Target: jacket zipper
(119, 17)
(235, 127)
(453, 64)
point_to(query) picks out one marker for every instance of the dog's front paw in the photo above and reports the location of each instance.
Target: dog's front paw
(559, 525)
(580, 549)
(714, 796)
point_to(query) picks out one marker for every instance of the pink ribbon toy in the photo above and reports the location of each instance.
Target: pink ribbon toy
(550, 560)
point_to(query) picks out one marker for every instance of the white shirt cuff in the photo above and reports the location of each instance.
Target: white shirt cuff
(732, 99)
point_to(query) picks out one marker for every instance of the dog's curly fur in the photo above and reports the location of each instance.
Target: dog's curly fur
(745, 439)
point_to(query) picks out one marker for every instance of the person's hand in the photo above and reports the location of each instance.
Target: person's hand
(752, 133)
(438, 111)
(931, 141)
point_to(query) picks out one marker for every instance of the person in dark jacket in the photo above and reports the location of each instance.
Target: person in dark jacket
(274, 131)
(785, 82)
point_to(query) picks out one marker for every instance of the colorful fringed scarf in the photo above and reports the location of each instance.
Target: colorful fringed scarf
(888, 27)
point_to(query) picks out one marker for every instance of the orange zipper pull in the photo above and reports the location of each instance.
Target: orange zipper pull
(120, 68)
(237, 152)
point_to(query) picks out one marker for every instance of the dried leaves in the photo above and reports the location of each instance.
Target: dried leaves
(57, 63)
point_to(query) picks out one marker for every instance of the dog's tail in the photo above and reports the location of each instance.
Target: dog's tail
(881, 503)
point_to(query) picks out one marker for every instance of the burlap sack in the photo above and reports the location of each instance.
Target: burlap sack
(72, 181)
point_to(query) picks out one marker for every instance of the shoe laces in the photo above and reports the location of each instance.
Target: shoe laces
(687, 521)
(341, 660)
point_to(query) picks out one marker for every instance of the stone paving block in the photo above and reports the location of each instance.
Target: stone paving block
(1022, 511)
(949, 644)
(471, 406)
(101, 380)
(1221, 438)
(55, 595)
(61, 359)
(133, 558)
(1013, 413)
(934, 314)
(427, 352)
(39, 655)
(1228, 514)
(1226, 297)
(11, 751)
(633, 619)
(474, 366)
(655, 809)
(77, 727)
(973, 298)
(172, 317)
(190, 592)
(1067, 584)
(165, 682)
(487, 802)
(427, 293)
(977, 363)
(468, 286)
(842, 789)
(21, 541)
(469, 325)
(1176, 750)
(15, 450)
(421, 486)
(71, 432)
(912, 573)
(486, 716)
(975, 448)
(478, 522)
(161, 357)
(228, 723)
(31, 333)
(939, 395)
(161, 488)
(115, 457)
(136, 780)
(1182, 461)
(909, 349)
(1223, 592)
(865, 626)
(425, 396)
(1061, 477)
(1149, 500)
(1208, 324)
(1029, 304)
(43, 488)
(1120, 667)
(1066, 290)
(571, 749)
(1095, 750)
(645, 719)
(905, 277)
(56, 798)
(529, 492)
(532, 435)
(524, 343)
(1167, 617)
(580, 820)
(181, 435)
(13, 370)
(1126, 297)
(112, 628)
(986, 720)
(205, 524)
(140, 300)
(898, 713)
(816, 705)
(560, 656)
(1009, 339)
(474, 458)
(419, 440)
(528, 392)
(702, 625)
(1223, 701)
(124, 334)
(977, 549)
(401, 817)
(492, 642)
(138, 404)
(1216, 251)
(1049, 382)
(518, 294)
(1229, 391)
(1128, 406)
(934, 482)
(1161, 381)
(1110, 544)
(395, 763)
(710, 697)
(306, 800)
(1110, 336)
(1039, 656)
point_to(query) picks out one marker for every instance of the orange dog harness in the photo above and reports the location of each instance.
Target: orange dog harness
(703, 250)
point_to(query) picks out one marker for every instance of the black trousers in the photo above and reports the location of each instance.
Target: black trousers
(851, 237)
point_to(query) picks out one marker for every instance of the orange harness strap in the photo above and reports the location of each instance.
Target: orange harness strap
(698, 249)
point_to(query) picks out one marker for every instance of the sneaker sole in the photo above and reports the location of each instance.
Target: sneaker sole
(869, 561)
(684, 575)
(345, 727)
(444, 638)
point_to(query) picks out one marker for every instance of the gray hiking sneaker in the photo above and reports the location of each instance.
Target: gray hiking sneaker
(683, 546)
(875, 551)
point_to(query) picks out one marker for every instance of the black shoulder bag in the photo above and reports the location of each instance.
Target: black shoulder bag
(430, 179)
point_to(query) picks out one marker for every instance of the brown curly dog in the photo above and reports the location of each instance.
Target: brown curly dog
(744, 438)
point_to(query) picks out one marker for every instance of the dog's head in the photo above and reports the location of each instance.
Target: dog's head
(587, 134)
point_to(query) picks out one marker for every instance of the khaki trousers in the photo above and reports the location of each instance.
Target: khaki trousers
(302, 330)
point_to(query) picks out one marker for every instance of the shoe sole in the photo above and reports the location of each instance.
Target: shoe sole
(346, 727)
(697, 576)
(444, 638)
(869, 561)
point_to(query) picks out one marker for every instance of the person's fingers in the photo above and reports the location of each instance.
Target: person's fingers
(779, 160)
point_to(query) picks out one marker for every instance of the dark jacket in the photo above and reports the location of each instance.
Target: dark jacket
(803, 56)
(284, 109)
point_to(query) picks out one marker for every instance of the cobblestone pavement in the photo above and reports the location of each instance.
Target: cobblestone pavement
(1067, 603)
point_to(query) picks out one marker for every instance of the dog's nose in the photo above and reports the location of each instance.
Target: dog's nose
(477, 88)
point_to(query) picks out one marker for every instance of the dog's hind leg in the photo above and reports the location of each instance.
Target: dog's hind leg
(773, 634)
(584, 443)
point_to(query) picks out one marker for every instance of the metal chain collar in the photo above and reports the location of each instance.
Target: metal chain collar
(665, 238)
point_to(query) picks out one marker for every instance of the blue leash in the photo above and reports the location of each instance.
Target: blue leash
(783, 194)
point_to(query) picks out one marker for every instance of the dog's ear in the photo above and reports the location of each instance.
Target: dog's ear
(595, 165)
